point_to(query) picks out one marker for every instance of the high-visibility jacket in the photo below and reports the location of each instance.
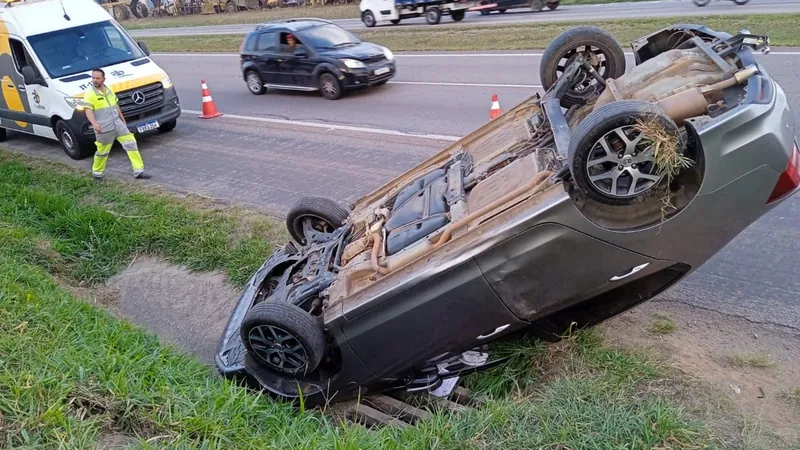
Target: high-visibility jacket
(104, 107)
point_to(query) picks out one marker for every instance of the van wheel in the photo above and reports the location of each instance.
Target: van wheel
(70, 143)
(433, 16)
(3, 135)
(368, 18)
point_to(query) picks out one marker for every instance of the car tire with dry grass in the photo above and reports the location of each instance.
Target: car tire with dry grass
(619, 154)
(594, 42)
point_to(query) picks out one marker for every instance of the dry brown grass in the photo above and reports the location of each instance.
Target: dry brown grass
(668, 155)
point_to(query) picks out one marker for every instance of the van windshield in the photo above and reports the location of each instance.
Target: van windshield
(80, 49)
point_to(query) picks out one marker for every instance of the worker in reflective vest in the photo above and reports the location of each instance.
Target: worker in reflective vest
(106, 118)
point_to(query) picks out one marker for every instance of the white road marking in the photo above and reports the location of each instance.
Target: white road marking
(431, 55)
(435, 83)
(437, 137)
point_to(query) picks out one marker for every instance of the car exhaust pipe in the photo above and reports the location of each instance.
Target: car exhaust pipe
(694, 101)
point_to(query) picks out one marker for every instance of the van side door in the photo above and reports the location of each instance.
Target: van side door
(20, 109)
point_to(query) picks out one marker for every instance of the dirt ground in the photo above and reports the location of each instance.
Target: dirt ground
(756, 367)
(749, 373)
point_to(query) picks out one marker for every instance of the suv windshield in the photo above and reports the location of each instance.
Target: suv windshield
(328, 36)
(79, 49)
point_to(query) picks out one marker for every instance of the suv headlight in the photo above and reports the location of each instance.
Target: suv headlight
(353, 64)
(76, 103)
(388, 54)
(166, 82)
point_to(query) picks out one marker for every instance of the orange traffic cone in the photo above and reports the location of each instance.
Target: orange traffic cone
(495, 112)
(209, 109)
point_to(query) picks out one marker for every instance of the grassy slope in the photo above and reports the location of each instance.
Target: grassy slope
(323, 12)
(781, 29)
(71, 374)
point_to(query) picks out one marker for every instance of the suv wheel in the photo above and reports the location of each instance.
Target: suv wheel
(329, 86)
(254, 83)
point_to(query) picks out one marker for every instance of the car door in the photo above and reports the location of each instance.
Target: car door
(291, 64)
(551, 267)
(299, 66)
(267, 57)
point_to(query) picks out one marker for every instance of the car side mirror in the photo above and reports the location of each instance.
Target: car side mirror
(143, 46)
(29, 76)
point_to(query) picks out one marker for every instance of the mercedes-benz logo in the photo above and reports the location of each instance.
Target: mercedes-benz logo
(138, 97)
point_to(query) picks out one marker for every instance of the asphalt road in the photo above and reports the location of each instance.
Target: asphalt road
(266, 151)
(571, 13)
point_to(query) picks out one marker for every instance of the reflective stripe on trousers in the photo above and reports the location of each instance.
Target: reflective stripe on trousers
(104, 140)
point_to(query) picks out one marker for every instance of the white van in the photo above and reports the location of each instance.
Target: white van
(48, 49)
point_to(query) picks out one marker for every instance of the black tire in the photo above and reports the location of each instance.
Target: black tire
(741, 2)
(328, 214)
(329, 86)
(169, 126)
(484, 12)
(3, 135)
(72, 146)
(584, 144)
(702, 3)
(433, 16)
(395, 21)
(368, 18)
(537, 5)
(255, 84)
(552, 5)
(458, 16)
(566, 45)
(501, 11)
(301, 330)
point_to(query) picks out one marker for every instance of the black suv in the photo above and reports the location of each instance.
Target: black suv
(312, 54)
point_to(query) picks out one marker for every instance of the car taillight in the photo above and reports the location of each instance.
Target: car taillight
(790, 178)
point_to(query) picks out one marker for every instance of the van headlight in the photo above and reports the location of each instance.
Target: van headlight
(353, 64)
(166, 82)
(388, 54)
(76, 103)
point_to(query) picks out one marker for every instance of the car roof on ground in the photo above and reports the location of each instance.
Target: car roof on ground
(294, 25)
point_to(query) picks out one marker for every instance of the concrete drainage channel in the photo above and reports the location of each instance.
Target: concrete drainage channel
(402, 409)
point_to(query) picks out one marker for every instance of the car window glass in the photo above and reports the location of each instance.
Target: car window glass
(18, 52)
(80, 49)
(329, 36)
(265, 42)
(285, 47)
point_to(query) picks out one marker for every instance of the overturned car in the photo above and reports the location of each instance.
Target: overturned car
(565, 211)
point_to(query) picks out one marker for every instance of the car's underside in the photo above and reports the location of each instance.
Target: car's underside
(501, 175)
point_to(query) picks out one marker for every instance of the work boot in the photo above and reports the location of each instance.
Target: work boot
(97, 180)
(142, 176)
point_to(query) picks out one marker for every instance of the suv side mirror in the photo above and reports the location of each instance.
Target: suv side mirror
(143, 46)
(29, 76)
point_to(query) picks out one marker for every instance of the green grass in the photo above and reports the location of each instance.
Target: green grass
(252, 17)
(780, 28)
(662, 325)
(751, 360)
(71, 375)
